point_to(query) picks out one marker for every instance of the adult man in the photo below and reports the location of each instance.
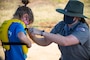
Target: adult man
(71, 34)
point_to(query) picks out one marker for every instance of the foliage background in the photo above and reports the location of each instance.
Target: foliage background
(44, 10)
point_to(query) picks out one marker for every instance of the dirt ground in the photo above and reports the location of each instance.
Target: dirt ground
(37, 52)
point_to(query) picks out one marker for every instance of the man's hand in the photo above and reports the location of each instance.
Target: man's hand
(35, 31)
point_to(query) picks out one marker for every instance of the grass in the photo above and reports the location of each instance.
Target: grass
(43, 11)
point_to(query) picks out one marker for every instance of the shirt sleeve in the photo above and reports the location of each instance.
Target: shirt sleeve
(82, 34)
(57, 27)
(20, 28)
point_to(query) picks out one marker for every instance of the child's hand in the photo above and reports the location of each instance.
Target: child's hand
(0, 43)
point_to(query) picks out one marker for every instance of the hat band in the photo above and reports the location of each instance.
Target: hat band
(72, 11)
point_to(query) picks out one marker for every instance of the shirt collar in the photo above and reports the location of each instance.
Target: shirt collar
(73, 26)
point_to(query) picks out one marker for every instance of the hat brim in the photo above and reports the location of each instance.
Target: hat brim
(70, 14)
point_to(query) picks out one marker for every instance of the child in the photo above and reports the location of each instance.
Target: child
(18, 41)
